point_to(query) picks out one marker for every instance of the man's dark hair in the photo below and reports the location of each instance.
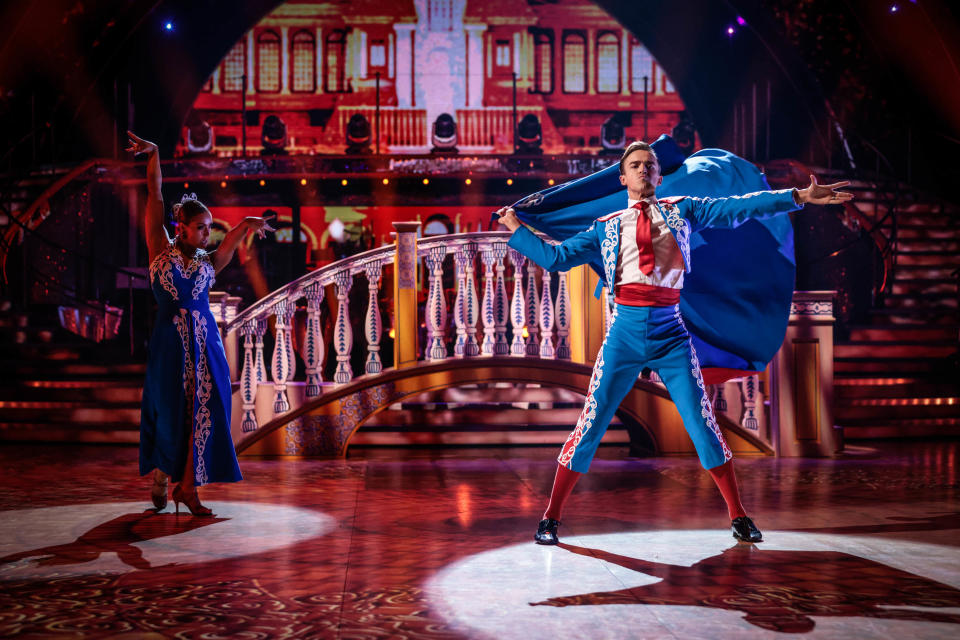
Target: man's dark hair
(637, 145)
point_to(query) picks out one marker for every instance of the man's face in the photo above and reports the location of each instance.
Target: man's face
(641, 174)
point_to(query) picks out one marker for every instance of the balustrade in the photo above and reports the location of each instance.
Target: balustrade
(534, 316)
(540, 313)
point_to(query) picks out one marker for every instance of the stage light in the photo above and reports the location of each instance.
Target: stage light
(263, 182)
(386, 181)
(186, 185)
(303, 182)
(426, 181)
(730, 30)
(551, 182)
(444, 134)
(273, 135)
(741, 21)
(343, 182)
(894, 8)
(168, 25)
(223, 184)
(468, 182)
(509, 181)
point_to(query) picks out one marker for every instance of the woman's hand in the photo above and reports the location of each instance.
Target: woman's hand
(260, 226)
(139, 145)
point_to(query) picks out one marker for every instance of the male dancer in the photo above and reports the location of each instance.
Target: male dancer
(645, 250)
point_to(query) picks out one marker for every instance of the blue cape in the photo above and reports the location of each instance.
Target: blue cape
(736, 298)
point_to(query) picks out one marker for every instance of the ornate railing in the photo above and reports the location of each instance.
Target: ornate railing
(534, 320)
(538, 312)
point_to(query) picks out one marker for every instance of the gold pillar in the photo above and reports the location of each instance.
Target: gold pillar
(586, 315)
(801, 380)
(405, 321)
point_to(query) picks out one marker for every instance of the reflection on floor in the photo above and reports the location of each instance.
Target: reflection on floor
(438, 544)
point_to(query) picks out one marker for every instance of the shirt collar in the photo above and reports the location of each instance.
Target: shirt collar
(652, 201)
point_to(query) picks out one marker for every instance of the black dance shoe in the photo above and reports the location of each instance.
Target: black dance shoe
(744, 529)
(547, 531)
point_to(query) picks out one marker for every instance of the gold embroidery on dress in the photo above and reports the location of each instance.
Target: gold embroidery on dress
(204, 276)
(161, 270)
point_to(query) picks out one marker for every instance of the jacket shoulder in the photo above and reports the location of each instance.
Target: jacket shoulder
(611, 216)
(671, 199)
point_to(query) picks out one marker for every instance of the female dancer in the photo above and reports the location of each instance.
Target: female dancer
(185, 415)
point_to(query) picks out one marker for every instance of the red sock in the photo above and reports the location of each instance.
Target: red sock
(562, 486)
(726, 480)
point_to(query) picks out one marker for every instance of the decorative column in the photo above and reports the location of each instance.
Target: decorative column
(314, 339)
(801, 380)
(474, 57)
(284, 60)
(248, 377)
(748, 387)
(230, 343)
(465, 307)
(436, 305)
(343, 331)
(489, 341)
(531, 305)
(372, 325)
(501, 347)
(259, 362)
(283, 362)
(545, 316)
(586, 315)
(517, 311)
(405, 70)
(563, 318)
(405, 316)
(719, 402)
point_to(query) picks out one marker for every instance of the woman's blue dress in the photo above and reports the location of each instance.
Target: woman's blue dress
(188, 379)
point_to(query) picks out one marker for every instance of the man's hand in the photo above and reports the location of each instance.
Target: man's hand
(824, 193)
(508, 218)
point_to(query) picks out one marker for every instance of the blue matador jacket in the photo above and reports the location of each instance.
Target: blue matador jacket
(737, 250)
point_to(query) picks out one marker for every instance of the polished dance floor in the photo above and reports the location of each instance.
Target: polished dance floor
(438, 544)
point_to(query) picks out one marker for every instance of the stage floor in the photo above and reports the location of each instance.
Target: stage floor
(438, 544)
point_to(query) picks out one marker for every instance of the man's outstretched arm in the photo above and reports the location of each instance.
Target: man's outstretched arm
(733, 211)
(574, 251)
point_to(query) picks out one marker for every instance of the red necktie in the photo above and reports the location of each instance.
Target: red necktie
(644, 237)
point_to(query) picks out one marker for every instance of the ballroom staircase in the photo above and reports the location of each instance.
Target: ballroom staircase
(65, 388)
(485, 414)
(897, 376)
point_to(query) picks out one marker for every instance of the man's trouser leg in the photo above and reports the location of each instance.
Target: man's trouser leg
(619, 362)
(675, 360)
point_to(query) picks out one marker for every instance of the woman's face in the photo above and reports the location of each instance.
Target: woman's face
(195, 233)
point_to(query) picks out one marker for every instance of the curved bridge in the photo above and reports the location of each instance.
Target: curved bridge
(324, 425)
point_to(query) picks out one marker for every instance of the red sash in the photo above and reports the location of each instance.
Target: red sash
(646, 295)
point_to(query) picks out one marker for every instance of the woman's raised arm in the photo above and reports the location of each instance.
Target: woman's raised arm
(156, 234)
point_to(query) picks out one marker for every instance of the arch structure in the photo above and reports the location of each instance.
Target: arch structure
(754, 79)
(324, 426)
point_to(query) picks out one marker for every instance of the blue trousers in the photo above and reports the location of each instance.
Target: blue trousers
(640, 337)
